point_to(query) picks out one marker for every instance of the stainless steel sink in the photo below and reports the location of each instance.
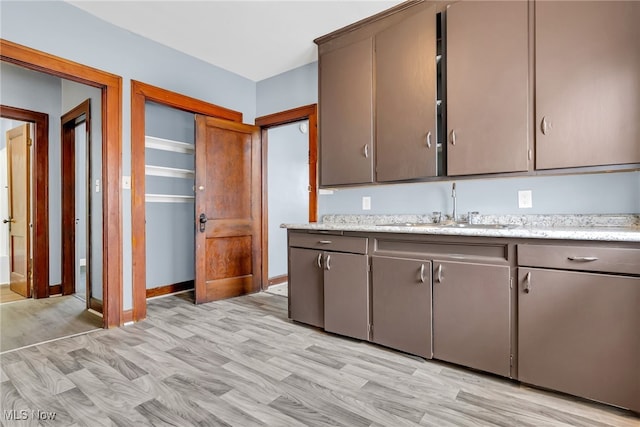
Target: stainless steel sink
(482, 226)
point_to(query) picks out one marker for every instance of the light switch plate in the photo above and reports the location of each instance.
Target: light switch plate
(126, 183)
(525, 199)
(366, 203)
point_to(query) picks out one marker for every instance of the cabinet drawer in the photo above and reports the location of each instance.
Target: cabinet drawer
(356, 245)
(585, 258)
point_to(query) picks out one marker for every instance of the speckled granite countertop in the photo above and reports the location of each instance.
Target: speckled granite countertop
(614, 228)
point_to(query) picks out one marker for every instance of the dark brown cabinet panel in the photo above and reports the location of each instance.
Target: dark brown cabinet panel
(487, 87)
(580, 333)
(587, 83)
(346, 114)
(471, 315)
(346, 294)
(401, 304)
(306, 289)
(405, 74)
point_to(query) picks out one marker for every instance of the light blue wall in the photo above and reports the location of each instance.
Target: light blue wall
(170, 239)
(570, 194)
(42, 93)
(288, 90)
(288, 194)
(61, 29)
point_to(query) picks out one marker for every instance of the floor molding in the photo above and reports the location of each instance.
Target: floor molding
(170, 289)
(283, 278)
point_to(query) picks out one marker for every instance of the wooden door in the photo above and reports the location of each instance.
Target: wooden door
(401, 304)
(578, 333)
(587, 83)
(18, 154)
(228, 209)
(346, 114)
(405, 70)
(306, 294)
(487, 87)
(472, 315)
(346, 294)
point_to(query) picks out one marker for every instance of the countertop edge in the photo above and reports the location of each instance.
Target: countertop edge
(578, 233)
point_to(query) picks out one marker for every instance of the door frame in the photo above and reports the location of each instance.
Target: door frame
(140, 94)
(111, 87)
(68, 124)
(39, 195)
(307, 112)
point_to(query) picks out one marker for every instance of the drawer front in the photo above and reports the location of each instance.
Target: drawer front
(356, 245)
(585, 258)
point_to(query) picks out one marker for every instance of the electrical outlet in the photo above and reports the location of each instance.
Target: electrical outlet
(525, 199)
(126, 183)
(366, 203)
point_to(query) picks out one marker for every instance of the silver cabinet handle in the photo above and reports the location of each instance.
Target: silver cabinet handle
(422, 273)
(327, 262)
(527, 283)
(545, 126)
(319, 260)
(429, 139)
(366, 150)
(439, 274)
(453, 137)
(325, 242)
(582, 258)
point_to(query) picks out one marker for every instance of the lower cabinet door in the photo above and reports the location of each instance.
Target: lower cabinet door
(401, 304)
(346, 294)
(580, 333)
(471, 315)
(306, 294)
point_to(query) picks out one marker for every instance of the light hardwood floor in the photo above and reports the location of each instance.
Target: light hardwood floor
(240, 362)
(7, 295)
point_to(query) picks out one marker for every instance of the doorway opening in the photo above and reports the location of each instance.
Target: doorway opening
(289, 156)
(143, 96)
(110, 87)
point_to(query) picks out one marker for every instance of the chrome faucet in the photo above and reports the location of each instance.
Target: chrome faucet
(454, 214)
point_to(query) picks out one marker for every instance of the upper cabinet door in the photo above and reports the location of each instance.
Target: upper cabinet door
(487, 87)
(405, 69)
(346, 114)
(587, 83)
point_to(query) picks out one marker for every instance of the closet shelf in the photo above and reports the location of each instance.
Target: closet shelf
(168, 145)
(151, 170)
(168, 198)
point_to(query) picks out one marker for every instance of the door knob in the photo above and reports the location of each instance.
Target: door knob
(4, 221)
(203, 222)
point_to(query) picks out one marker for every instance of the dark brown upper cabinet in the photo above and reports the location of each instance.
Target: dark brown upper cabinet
(487, 87)
(346, 114)
(587, 83)
(405, 98)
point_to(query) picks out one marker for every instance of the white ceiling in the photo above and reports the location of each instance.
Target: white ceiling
(255, 39)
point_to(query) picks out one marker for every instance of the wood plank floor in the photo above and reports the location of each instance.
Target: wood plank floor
(7, 295)
(240, 362)
(33, 321)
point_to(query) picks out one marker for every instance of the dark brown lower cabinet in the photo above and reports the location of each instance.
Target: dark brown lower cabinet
(346, 294)
(306, 288)
(471, 315)
(580, 333)
(401, 304)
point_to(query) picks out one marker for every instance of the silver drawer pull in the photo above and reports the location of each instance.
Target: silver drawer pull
(319, 260)
(422, 273)
(527, 283)
(582, 258)
(325, 242)
(429, 139)
(327, 262)
(439, 274)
